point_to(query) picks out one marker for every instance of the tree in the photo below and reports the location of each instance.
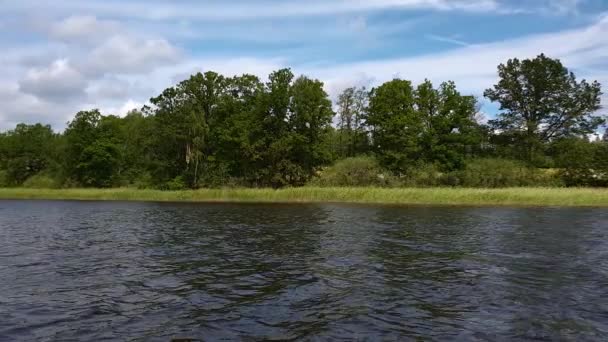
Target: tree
(542, 101)
(352, 104)
(395, 125)
(26, 151)
(93, 154)
(450, 130)
(184, 115)
(272, 139)
(232, 145)
(582, 163)
(310, 118)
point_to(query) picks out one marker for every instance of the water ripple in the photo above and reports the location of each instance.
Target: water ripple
(74, 271)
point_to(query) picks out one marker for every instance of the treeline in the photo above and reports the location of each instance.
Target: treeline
(211, 131)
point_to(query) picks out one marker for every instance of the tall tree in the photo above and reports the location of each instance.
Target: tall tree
(93, 153)
(450, 130)
(395, 125)
(310, 118)
(541, 101)
(352, 103)
(184, 115)
(273, 140)
(26, 151)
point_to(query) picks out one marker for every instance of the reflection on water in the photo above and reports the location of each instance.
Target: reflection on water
(149, 271)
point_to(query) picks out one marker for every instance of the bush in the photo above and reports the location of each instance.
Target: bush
(499, 173)
(3, 179)
(41, 181)
(144, 181)
(582, 163)
(176, 183)
(425, 175)
(358, 171)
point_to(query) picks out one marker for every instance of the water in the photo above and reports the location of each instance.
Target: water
(79, 271)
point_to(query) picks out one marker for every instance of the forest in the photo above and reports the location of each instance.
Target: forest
(213, 131)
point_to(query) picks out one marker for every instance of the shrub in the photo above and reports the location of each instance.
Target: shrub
(358, 171)
(41, 181)
(425, 175)
(3, 179)
(144, 181)
(176, 183)
(498, 173)
(583, 163)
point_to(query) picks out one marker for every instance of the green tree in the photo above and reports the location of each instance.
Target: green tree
(450, 131)
(184, 115)
(352, 104)
(98, 164)
(582, 163)
(26, 151)
(92, 153)
(395, 125)
(232, 148)
(273, 141)
(310, 119)
(542, 101)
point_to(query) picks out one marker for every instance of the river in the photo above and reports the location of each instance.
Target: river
(91, 271)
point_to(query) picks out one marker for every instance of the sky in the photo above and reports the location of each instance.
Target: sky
(58, 57)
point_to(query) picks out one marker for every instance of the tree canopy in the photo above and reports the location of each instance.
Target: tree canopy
(211, 130)
(541, 100)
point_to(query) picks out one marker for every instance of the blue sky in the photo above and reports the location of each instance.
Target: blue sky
(62, 56)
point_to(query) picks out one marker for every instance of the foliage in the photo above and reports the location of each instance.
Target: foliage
(352, 136)
(41, 181)
(214, 131)
(423, 175)
(497, 173)
(395, 125)
(176, 183)
(581, 162)
(4, 179)
(542, 101)
(435, 126)
(25, 151)
(357, 171)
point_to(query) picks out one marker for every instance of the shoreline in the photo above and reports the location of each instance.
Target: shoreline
(533, 197)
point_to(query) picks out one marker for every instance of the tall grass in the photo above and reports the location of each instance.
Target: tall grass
(404, 196)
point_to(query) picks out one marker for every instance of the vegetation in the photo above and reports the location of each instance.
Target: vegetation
(213, 131)
(403, 196)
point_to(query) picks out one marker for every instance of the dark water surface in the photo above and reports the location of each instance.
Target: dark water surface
(87, 271)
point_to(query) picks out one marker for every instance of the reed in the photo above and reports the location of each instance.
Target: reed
(402, 196)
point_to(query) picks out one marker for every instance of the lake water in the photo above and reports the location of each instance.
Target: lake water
(88, 271)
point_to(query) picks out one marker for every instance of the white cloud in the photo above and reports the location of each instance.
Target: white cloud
(19, 107)
(125, 54)
(474, 67)
(447, 40)
(57, 82)
(83, 28)
(217, 10)
(122, 110)
(103, 54)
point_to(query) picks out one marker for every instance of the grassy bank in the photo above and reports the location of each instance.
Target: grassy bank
(430, 196)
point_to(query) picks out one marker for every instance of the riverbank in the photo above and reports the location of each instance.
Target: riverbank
(413, 196)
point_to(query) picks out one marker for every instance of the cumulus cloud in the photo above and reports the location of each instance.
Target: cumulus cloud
(101, 54)
(57, 82)
(19, 107)
(84, 28)
(474, 67)
(125, 54)
(117, 89)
